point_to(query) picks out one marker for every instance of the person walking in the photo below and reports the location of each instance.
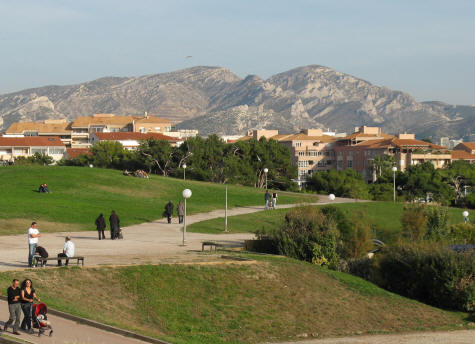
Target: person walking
(169, 211)
(14, 306)
(28, 295)
(68, 251)
(274, 199)
(180, 209)
(267, 199)
(33, 235)
(101, 226)
(114, 223)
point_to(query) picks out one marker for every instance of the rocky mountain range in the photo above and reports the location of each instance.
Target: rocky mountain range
(215, 100)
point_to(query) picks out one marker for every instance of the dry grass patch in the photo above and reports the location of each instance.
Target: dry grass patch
(20, 226)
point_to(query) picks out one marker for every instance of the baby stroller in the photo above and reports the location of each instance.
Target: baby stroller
(40, 319)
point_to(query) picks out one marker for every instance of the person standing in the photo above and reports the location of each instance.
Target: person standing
(169, 211)
(180, 209)
(114, 223)
(274, 199)
(267, 198)
(28, 295)
(14, 306)
(68, 250)
(33, 235)
(101, 226)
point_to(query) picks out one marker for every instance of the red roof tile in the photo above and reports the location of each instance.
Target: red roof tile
(132, 136)
(75, 152)
(30, 141)
(462, 155)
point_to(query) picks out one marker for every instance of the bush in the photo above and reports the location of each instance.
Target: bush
(414, 222)
(437, 276)
(462, 233)
(437, 223)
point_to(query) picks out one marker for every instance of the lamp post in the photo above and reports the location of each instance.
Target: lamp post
(331, 197)
(226, 211)
(265, 171)
(186, 194)
(394, 183)
(184, 171)
(465, 216)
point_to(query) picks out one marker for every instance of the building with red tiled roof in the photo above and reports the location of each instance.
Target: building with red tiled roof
(14, 147)
(131, 140)
(469, 147)
(75, 152)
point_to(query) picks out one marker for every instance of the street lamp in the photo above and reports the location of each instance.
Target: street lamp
(186, 194)
(184, 171)
(331, 197)
(394, 183)
(265, 171)
(465, 216)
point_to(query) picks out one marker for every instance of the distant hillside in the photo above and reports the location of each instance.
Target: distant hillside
(214, 100)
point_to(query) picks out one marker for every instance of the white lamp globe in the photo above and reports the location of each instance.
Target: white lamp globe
(465, 213)
(91, 165)
(394, 169)
(331, 197)
(184, 165)
(186, 193)
(266, 170)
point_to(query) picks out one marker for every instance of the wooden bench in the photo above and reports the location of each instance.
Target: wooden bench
(40, 261)
(211, 244)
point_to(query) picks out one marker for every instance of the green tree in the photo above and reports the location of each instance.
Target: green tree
(107, 154)
(157, 155)
(437, 223)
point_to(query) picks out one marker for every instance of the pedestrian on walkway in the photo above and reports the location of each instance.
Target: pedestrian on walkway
(169, 211)
(28, 295)
(274, 199)
(33, 235)
(14, 306)
(68, 251)
(180, 209)
(114, 223)
(267, 198)
(101, 226)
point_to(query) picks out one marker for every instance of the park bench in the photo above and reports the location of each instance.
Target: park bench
(211, 244)
(40, 261)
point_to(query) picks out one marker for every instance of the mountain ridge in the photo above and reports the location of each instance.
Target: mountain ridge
(216, 100)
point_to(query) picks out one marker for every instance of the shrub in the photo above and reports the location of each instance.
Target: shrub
(414, 222)
(437, 223)
(462, 233)
(437, 276)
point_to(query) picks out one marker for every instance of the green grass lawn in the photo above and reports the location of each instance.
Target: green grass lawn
(385, 216)
(275, 299)
(79, 194)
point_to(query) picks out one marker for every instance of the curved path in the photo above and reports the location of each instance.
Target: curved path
(146, 243)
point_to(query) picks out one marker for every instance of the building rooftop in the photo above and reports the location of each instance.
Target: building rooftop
(119, 136)
(30, 141)
(304, 137)
(461, 154)
(86, 121)
(75, 152)
(40, 127)
(152, 119)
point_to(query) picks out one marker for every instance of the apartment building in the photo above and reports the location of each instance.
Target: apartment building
(14, 147)
(53, 127)
(131, 140)
(464, 151)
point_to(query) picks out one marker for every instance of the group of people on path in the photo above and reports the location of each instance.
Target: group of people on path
(114, 225)
(34, 249)
(271, 200)
(168, 213)
(20, 300)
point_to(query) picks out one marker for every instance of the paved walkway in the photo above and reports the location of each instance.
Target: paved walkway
(452, 337)
(146, 243)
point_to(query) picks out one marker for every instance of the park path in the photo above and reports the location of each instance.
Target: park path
(446, 337)
(146, 243)
(67, 332)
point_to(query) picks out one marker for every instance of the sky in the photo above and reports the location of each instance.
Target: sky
(423, 47)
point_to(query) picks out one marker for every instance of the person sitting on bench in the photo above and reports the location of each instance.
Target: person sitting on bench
(41, 251)
(68, 251)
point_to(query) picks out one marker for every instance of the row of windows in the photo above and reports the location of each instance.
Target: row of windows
(316, 153)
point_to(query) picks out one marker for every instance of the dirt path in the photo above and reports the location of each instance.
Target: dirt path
(452, 337)
(146, 243)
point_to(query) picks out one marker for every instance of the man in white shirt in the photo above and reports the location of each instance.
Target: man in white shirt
(68, 250)
(33, 235)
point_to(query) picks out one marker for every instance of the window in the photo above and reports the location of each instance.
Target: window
(301, 153)
(321, 163)
(39, 150)
(303, 163)
(114, 130)
(340, 164)
(312, 153)
(56, 150)
(349, 163)
(30, 133)
(157, 128)
(17, 150)
(298, 144)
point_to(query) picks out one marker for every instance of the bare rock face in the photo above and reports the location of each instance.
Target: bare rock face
(214, 100)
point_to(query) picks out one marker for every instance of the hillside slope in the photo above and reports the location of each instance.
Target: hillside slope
(215, 100)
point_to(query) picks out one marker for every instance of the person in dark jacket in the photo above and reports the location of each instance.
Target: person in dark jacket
(101, 226)
(180, 210)
(114, 222)
(169, 211)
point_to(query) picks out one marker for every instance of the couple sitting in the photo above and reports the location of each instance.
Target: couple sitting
(43, 188)
(68, 251)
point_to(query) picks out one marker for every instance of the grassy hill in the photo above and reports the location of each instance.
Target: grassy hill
(79, 194)
(385, 216)
(273, 299)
